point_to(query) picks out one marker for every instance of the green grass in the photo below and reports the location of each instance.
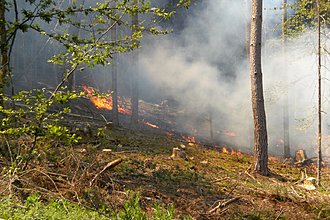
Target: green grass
(33, 208)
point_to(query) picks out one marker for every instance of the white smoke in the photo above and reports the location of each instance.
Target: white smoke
(204, 67)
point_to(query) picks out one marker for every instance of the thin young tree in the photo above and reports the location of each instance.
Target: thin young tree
(3, 49)
(258, 107)
(247, 52)
(286, 122)
(319, 139)
(115, 118)
(135, 85)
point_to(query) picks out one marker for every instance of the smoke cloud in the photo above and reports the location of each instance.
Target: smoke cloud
(204, 68)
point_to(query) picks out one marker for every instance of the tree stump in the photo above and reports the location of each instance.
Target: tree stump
(300, 156)
(178, 153)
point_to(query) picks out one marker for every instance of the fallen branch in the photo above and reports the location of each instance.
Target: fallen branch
(223, 204)
(110, 165)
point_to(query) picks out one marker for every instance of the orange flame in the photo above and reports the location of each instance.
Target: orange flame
(106, 102)
(231, 152)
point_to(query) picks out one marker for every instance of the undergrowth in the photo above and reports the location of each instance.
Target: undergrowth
(34, 208)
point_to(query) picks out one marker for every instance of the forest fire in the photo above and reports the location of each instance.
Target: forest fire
(106, 102)
(231, 152)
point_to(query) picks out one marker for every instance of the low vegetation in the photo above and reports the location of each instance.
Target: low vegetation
(75, 180)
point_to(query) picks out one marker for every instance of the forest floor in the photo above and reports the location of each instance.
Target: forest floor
(206, 184)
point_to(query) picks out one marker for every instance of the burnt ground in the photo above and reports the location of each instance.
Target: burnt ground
(209, 184)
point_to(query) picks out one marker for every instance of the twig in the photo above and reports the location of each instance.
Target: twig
(57, 174)
(223, 204)
(46, 175)
(296, 192)
(278, 216)
(252, 177)
(66, 76)
(108, 166)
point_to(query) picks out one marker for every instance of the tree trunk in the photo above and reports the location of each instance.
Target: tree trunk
(3, 50)
(115, 119)
(74, 31)
(286, 133)
(247, 31)
(259, 116)
(247, 52)
(211, 125)
(135, 77)
(319, 139)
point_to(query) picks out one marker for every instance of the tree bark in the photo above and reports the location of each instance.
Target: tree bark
(4, 70)
(286, 123)
(319, 139)
(247, 52)
(258, 108)
(115, 119)
(135, 77)
(74, 31)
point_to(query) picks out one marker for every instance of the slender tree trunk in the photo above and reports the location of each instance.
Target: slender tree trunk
(259, 116)
(74, 31)
(247, 52)
(4, 70)
(247, 31)
(319, 142)
(115, 119)
(135, 77)
(211, 125)
(286, 122)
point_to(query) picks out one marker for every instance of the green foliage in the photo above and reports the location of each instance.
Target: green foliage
(96, 19)
(34, 117)
(34, 208)
(132, 209)
(161, 213)
(305, 16)
(32, 120)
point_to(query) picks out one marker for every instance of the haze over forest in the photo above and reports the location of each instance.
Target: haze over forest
(202, 65)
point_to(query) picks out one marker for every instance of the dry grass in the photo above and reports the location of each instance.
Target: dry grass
(210, 185)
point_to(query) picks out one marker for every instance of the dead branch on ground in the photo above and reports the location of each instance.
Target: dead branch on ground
(108, 166)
